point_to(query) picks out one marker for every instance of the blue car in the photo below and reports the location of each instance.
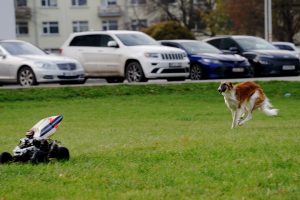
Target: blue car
(208, 62)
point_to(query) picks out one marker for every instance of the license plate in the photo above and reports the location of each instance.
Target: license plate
(69, 74)
(175, 65)
(288, 67)
(237, 69)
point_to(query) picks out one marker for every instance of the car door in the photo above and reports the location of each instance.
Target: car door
(110, 56)
(94, 54)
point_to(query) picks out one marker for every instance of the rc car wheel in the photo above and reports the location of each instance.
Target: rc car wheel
(134, 72)
(196, 72)
(38, 157)
(5, 157)
(26, 77)
(62, 153)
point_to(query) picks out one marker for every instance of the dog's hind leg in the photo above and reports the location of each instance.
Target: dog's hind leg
(249, 107)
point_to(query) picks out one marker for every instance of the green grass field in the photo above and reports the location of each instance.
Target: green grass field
(154, 142)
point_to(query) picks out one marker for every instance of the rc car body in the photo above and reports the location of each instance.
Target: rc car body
(37, 145)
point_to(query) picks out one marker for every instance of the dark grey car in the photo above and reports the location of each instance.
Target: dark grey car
(265, 58)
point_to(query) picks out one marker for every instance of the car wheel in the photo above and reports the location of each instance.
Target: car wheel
(5, 157)
(196, 72)
(38, 157)
(115, 80)
(26, 77)
(134, 72)
(62, 153)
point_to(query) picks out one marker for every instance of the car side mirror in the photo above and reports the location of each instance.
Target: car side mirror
(234, 50)
(113, 44)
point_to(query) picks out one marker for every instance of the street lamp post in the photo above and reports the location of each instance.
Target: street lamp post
(268, 20)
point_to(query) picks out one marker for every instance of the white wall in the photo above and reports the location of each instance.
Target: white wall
(7, 20)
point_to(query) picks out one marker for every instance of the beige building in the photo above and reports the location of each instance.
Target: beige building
(47, 23)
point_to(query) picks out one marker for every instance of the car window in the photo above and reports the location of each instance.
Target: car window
(284, 47)
(136, 39)
(199, 47)
(215, 42)
(21, 48)
(105, 39)
(227, 43)
(169, 44)
(96, 40)
(254, 43)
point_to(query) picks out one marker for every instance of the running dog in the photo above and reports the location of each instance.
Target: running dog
(243, 98)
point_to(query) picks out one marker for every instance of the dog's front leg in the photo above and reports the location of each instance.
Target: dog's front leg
(236, 117)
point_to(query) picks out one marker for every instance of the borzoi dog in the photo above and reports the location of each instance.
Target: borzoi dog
(243, 98)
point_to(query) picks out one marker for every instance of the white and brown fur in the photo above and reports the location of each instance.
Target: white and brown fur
(243, 98)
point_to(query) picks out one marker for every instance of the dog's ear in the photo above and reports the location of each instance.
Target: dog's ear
(230, 85)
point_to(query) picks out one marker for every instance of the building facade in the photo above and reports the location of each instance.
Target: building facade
(47, 23)
(7, 20)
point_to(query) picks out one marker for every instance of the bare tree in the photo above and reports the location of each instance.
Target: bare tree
(187, 12)
(286, 19)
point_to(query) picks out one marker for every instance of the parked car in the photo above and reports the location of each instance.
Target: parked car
(265, 58)
(288, 46)
(24, 63)
(131, 55)
(206, 61)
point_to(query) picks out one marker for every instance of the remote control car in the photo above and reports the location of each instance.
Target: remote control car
(37, 146)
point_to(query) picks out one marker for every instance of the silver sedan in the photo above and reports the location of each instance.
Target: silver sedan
(23, 63)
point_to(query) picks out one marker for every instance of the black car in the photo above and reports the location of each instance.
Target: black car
(265, 58)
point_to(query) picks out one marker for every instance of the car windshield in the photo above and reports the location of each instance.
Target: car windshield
(21, 48)
(199, 47)
(253, 43)
(136, 39)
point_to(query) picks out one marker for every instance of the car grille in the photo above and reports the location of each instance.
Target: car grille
(67, 66)
(69, 77)
(233, 63)
(286, 61)
(171, 71)
(172, 56)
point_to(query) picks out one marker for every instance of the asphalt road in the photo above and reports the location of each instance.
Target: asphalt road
(95, 82)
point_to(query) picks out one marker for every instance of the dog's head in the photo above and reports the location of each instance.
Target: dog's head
(224, 87)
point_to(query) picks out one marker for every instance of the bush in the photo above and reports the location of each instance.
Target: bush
(169, 30)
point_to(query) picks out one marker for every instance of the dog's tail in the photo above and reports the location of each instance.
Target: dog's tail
(268, 109)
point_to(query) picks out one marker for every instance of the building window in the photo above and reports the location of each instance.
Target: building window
(50, 28)
(20, 3)
(109, 25)
(79, 26)
(137, 24)
(111, 2)
(49, 3)
(79, 2)
(22, 28)
(137, 2)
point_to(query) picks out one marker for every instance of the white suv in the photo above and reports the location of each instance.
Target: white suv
(131, 55)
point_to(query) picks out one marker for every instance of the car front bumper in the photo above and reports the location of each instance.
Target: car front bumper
(59, 76)
(166, 69)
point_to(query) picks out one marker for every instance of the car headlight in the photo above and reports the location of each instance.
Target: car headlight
(210, 61)
(152, 55)
(264, 60)
(46, 65)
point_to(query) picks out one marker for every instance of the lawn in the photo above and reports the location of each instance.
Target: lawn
(154, 142)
